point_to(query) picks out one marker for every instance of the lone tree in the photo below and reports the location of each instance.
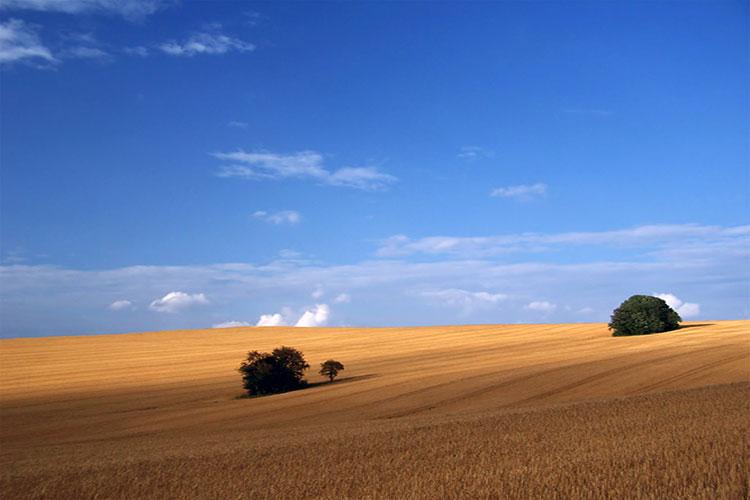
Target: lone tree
(330, 369)
(643, 314)
(280, 371)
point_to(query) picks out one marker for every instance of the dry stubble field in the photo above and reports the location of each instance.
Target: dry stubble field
(486, 411)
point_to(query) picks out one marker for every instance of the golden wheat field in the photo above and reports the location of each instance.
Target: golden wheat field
(485, 411)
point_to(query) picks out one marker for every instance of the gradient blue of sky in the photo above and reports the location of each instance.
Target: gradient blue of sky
(627, 123)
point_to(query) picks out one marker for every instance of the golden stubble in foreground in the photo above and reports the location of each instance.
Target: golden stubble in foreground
(475, 411)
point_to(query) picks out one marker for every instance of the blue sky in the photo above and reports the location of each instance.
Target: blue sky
(188, 164)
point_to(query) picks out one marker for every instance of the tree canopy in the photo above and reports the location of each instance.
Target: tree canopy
(643, 314)
(280, 371)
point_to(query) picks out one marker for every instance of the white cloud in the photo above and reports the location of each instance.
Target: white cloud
(231, 324)
(206, 43)
(522, 192)
(541, 306)
(317, 316)
(685, 240)
(684, 309)
(277, 218)
(368, 178)
(306, 165)
(20, 41)
(275, 319)
(474, 152)
(119, 305)
(318, 293)
(706, 263)
(132, 9)
(237, 124)
(464, 299)
(177, 301)
(342, 298)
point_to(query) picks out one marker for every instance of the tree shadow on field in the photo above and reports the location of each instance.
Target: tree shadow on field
(342, 380)
(695, 325)
(310, 385)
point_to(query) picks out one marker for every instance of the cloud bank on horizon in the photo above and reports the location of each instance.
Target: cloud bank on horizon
(171, 165)
(386, 291)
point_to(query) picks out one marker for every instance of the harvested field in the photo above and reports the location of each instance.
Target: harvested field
(552, 411)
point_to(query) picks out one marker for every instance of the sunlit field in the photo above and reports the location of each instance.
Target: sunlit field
(544, 411)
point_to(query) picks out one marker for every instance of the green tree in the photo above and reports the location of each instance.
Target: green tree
(280, 371)
(330, 369)
(643, 314)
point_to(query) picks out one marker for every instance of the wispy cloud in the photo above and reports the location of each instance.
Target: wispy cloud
(85, 52)
(277, 218)
(206, 43)
(686, 240)
(237, 124)
(20, 41)
(360, 178)
(131, 9)
(475, 152)
(177, 301)
(524, 192)
(466, 300)
(342, 298)
(231, 324)
(541, 306)
(138, 50)
(120, 305)
(307, 165)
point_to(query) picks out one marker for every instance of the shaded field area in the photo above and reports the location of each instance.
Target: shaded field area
(554, 411)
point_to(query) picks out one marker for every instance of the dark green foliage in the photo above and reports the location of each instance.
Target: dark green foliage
(280, 371)
(330, 369)
(643, 314)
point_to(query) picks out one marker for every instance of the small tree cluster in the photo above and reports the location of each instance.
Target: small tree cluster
(643, 314)
(280, 371)
(330, 369)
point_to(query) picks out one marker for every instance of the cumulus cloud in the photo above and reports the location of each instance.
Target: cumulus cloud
(206, 43)
(684, 309)
(475, 152)
(277, 218)
(317, 316)
(541, 306)
(305, 165)
(231, 324)
(131, 9)
(20, 42)
(274, 319)
(342, 298)
(119, 305)
(522, 192)
(318, 292)
(177, 301)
